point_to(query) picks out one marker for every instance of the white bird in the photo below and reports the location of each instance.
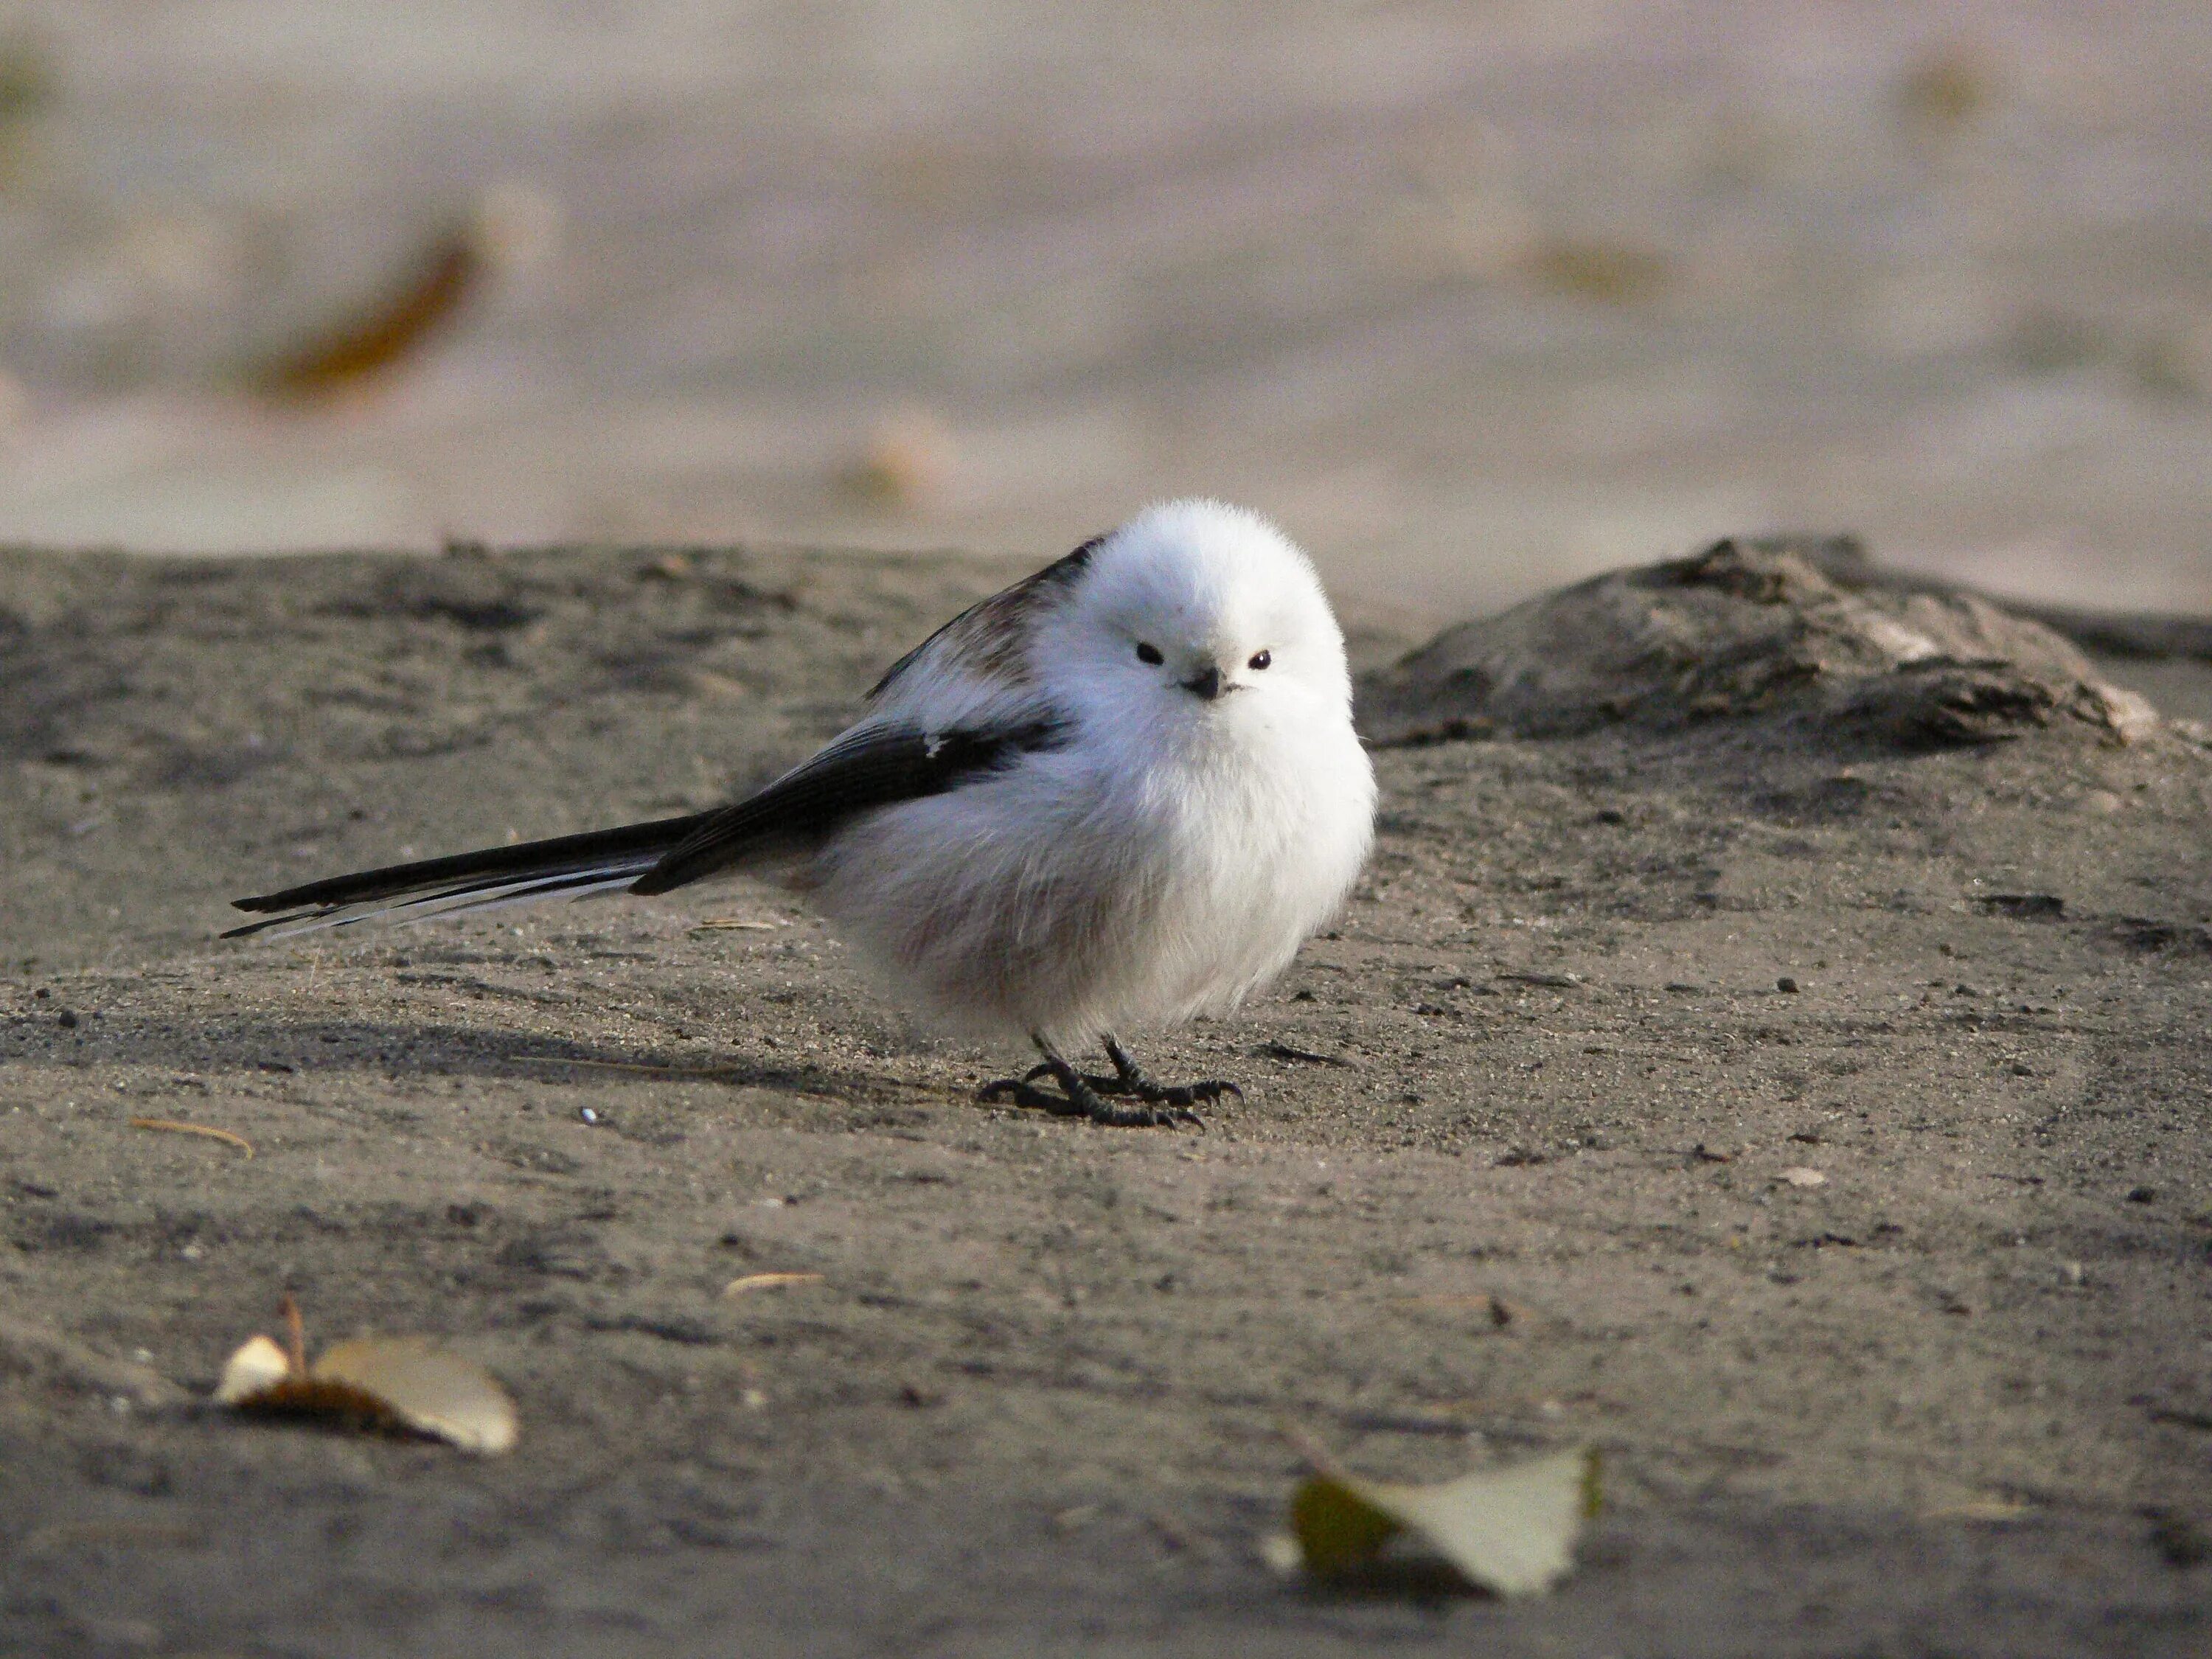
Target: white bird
(1118, 795)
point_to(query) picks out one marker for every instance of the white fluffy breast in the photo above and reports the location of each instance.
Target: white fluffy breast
(1069, 897)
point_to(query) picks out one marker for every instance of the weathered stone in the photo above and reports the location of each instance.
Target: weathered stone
(1793, 627)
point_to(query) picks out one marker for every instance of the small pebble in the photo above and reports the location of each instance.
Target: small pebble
(586, 1114)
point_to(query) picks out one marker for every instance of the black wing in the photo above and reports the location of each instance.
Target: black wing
(869, 768)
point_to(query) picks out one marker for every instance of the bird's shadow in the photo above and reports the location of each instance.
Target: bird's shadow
(310, 1046)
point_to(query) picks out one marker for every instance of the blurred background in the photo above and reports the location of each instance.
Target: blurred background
(1474, 297)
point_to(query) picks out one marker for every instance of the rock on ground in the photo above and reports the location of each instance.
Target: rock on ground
(1751, 627)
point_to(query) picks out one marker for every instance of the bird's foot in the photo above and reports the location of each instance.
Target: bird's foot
(1146, 1088)
(1082, 1096)
(1131, 1079)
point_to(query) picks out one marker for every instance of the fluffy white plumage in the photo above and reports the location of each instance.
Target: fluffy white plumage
(1176, 851)
(1118, 795)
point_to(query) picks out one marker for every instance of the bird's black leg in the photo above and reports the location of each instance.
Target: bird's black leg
(1131, 1079)
(1082, 1097)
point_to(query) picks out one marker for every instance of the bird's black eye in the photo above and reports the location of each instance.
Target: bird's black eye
(1150, 653)
(1260, 659)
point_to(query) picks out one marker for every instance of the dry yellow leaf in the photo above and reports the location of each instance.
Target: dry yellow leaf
(373, 1382)
(1510, 1531)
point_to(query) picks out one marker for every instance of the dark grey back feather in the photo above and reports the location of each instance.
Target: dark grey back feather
(987, 637)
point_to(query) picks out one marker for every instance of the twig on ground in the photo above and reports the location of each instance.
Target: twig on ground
(179, 1127)
(746, 1282)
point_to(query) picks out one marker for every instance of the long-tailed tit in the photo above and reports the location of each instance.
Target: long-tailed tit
(1120, 793)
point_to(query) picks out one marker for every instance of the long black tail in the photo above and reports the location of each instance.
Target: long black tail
(870, 766)
(573, 865)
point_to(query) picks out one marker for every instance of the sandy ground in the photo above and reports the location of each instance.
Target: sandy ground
(1955, 1399)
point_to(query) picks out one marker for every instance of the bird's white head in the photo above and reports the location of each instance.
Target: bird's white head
(1195, 613)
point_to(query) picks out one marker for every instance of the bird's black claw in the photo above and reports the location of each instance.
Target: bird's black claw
(1144, 1117)
(1085, 1098)
(1020, 1091)
(1166, 1094)
(1131, 1079)
(1175, 1099)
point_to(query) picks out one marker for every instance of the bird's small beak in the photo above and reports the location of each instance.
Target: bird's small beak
(1206, 685)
